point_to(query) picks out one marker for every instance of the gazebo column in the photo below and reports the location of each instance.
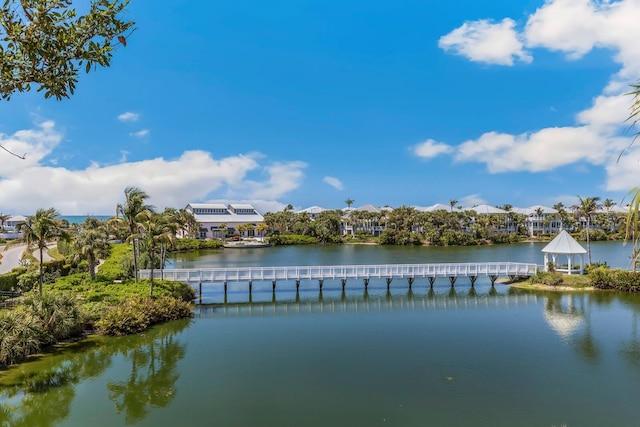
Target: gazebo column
(570, 263)
(546, 261)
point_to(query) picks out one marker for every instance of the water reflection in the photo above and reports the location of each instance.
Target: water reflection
(40, 393)
(340, 301)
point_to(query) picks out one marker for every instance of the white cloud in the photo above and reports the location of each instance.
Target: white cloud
(140, 134)
(539, 151)
(26, 185)
(623, 175)
(129, 117)
(334, 182)
(283, 178)
(430, 149)
(471, 200)
(485, 41)
(574, 27)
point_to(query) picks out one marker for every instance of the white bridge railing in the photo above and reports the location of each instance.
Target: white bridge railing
(387, 271)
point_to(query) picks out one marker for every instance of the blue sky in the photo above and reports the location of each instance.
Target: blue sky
(313, 102)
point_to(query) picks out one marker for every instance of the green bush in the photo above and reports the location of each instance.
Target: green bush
(19, 336)
(291, 239)
(58, 315)
(180, 245)
(111, 269)
(124, 319)
(9, 281)
(137, 314)
(549, 278)
(622, 280)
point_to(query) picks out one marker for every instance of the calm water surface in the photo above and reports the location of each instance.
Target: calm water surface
(462, 356)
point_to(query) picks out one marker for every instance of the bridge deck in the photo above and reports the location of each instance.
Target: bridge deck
(385, 271)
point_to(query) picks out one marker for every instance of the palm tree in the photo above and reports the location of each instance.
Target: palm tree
(38, 231)
(585, 209)
(562, 213)
(349, 202)
(3, 219)
(91, 244)
(608, 205)
(261, 228)
(452, 203)
(539, 213)
(133, 206)
(154, 231)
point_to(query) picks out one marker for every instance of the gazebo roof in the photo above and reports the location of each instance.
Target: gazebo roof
(563, 243)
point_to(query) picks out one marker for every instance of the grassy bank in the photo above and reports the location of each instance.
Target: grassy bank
(74, 305)
(598, 278)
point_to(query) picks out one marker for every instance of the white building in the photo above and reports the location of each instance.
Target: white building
(216, 220)
(540, 219)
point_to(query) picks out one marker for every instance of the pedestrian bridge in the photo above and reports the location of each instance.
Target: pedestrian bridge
(452, 271)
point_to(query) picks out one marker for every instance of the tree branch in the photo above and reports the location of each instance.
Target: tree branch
(24, 156)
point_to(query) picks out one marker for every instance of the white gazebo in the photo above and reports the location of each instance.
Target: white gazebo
(564, 244)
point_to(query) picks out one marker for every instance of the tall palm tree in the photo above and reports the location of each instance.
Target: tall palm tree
(91, 244)
(539, 213)
(585, 209)
(154, 231)
(133, 206)
(452, 203)
(38, 231)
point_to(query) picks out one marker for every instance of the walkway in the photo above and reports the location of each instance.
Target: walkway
(452, 271)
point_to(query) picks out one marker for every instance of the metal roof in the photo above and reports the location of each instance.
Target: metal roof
(563, 243)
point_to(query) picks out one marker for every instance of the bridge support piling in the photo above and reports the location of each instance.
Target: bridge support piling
(493, 278)
(366, 283)
(473, 279)
(410, 280)
(453, 279)
(321, 282)
(250, 287)
(432, 280)
(273, 286)
(389, 280)
(512, 277)
(297, 285)
(200, 291)
(225, 288)
(344, 283)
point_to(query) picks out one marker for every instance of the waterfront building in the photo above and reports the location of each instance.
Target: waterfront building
(217, 220)
(540, 219)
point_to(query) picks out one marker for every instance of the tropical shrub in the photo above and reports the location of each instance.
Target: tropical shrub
(124, 319)
(19, 336)
(9, 281)
(180, 245)
(137, 314)
(58, 315)
(621, 280)
(291, 239)
(549, 278)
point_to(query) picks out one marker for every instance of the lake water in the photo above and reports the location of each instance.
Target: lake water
(441, 356)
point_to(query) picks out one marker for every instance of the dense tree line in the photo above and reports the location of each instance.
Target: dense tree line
(588, 220)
